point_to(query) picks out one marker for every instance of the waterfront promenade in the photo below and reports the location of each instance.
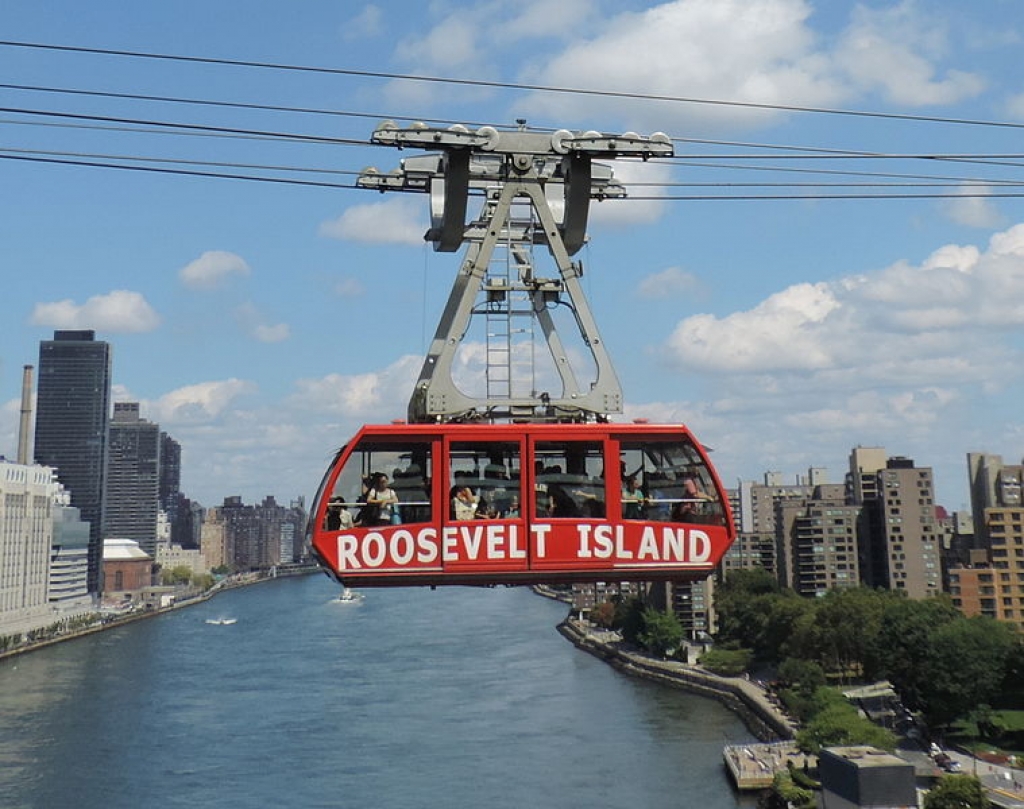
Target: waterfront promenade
(752, 766)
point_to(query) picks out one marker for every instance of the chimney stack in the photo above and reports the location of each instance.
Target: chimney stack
(26, 415)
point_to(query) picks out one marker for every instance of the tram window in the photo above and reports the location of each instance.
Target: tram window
(408, 467)
(569, 479)
(491, 471)
(674, 479)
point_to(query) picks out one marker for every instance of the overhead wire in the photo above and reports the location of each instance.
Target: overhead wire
(774, 152)
(620, 94)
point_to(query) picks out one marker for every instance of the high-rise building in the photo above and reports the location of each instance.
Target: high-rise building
(69, 559)
(72, 418)
(901, 539)
(818, 542)
(133, 478)
(991, 581)
(26, 506)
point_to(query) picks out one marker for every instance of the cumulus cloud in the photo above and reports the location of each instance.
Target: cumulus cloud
(119, 311)
(255, 324)
(973, 209)
(760, 51)
(895, 50)
(199, 403)
(374, 396)
(399, 220)
(899, 325)
(212, 270)
(645, 192)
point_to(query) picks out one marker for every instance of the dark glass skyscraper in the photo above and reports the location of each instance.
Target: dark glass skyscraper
(72, 422)
(133, 477)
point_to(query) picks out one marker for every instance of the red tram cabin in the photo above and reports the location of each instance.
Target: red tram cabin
(485, 504)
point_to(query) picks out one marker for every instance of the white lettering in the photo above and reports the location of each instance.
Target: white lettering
(450, 544)
(540, 535)
(471, 539)
(604, 541)
(496, 542)
(514, 551)
(584, 535)
(648, 545)
(402, 547)
(347, 559)
(704, 541)
(620, 543)
(426, 541)
(374, 556)
(673, 544)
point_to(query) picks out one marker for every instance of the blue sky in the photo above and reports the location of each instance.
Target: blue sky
(261, 323)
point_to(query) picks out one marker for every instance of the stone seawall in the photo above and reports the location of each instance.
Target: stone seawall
(746, 699)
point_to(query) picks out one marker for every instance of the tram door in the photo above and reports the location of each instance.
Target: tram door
(485, 527)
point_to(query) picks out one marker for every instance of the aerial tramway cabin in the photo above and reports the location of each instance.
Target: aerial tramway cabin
(550, 503)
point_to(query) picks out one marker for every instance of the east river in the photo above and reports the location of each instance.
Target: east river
(457, 697)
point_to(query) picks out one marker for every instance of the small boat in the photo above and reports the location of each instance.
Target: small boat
(221, 621)
(348, 595)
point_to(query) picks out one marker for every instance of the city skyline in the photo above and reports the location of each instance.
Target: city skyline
(261, 323)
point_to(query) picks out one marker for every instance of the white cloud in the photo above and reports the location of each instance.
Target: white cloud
(119, 311)
(781, 333)
(256, 326)
(895, 50)
(973, 211)
(399, 220)
(369, 22)
(200, 403)
(760, 51)
(449, 45)
(1015, 107)
(645, 190)
(668, 283)
(212, 269)
(901, 325)
(374, 396)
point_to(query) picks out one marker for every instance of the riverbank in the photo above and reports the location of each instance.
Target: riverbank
(745, 698)
(111, 621)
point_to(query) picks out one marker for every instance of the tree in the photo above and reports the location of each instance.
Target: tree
(849, 623)
(603, 615)
(965, 666)
(835, 722)
(629, 618)
(742, 602)
(726, 662)
(957, 792)
(803, 676)
(662, 632)
(904, 642)
(181, 574)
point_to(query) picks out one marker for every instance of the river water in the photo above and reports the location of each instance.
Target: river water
(458, 697)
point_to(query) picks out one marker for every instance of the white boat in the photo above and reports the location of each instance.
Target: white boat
(348, 595)
(221, 621)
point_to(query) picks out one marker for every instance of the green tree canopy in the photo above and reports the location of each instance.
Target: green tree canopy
(904, 641)
(957, 792)
(835, 722)
(662, 633)
(966, 665)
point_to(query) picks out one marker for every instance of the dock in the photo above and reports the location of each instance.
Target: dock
(753, 766)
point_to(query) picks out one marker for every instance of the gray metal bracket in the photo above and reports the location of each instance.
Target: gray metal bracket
(553, 173)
